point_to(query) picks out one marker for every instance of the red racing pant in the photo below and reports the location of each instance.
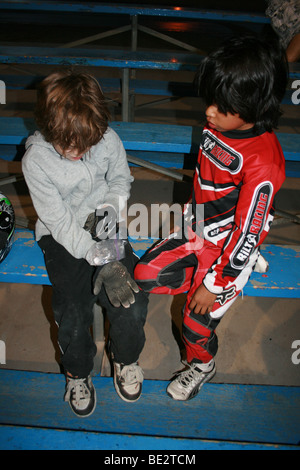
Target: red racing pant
(177, 265)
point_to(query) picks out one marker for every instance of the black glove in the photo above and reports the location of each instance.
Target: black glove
(118, 284)
(102, 223)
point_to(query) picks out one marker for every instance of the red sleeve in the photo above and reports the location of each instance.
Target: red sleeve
(253, 217)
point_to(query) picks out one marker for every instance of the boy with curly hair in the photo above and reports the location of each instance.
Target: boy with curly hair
(77, 173)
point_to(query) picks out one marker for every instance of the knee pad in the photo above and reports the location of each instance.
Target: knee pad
(199, 330)
(202, 341)
(149, 277)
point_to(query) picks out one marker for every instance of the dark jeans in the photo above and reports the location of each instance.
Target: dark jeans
(72, 303)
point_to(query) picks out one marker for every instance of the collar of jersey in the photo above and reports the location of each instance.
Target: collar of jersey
(246, 134)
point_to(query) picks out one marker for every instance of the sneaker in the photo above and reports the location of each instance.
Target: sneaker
(128, 381)
(81, 395)
(188, 383)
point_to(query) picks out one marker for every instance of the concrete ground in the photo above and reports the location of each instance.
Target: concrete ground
(255, 337)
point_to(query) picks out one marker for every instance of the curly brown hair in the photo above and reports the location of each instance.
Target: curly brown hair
(71, 110)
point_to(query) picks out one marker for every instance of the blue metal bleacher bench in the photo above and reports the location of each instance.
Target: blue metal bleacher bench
(162, 144)
(25, 264)
(119, 59)
(31, 416)
(32, 412)
(132, 10)
(166, 146)
(223, 417)
(226, 416)
(122, 59)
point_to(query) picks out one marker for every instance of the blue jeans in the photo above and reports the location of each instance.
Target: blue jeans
(73, 301)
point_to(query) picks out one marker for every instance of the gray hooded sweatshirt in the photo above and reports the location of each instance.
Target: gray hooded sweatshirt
(65, 192)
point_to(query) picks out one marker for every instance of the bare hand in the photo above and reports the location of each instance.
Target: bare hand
(202, 301)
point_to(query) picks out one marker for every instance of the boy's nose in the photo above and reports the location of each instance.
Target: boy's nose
(211, 111)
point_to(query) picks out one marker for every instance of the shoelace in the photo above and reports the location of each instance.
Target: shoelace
(132, 374)
(79, 387)
(188, 376)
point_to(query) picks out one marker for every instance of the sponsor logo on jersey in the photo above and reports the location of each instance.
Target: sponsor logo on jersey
(214, 232)
(226, 295)
(221, 154)
(254, 225)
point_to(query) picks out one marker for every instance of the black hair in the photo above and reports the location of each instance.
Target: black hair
(245, 76)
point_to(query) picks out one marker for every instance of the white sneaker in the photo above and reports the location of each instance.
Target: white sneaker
(128, 381)
(261, 265)
(188, 383)
(81, 395)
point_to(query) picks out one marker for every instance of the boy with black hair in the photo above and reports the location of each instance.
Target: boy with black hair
(239, 170)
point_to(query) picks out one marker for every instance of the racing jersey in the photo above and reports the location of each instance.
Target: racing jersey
(237, 176)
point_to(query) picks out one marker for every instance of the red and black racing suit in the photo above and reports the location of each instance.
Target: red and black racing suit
(237, 176)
